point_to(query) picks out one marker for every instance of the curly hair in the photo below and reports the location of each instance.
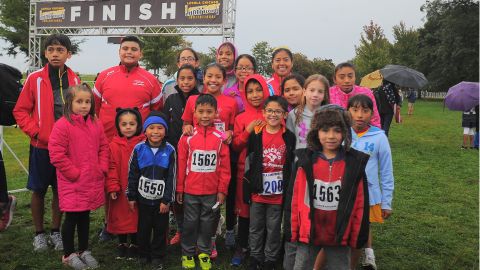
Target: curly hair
(326, 118)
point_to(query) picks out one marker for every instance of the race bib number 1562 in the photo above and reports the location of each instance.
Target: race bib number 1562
(204, 161)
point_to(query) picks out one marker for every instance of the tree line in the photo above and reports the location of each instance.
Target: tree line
(445, 48)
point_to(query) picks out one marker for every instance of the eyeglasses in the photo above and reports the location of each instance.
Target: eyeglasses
(275, 112)
(187, 59)
(244, 68)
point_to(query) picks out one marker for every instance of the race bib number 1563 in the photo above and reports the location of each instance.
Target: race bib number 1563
(326, 194)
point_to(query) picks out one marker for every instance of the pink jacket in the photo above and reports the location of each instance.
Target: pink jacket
(337, 96)
(80, 152)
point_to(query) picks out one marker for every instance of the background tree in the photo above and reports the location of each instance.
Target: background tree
(404, 51)
(373, 51)
(325, 67)
(263, 55)
(160, 52)
(302, 65)
(448, 43)
(207, 58)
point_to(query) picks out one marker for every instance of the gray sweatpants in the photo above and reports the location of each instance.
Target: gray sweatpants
(300, 256)
(265, 216)
(289, 256)
(305, 256)
(198, 222)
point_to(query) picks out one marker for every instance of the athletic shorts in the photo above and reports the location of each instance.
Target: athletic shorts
(468, 131)
(41, 172)
(376, 214)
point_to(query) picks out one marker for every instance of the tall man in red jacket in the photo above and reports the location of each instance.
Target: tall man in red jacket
(39, 105)
(126, 85)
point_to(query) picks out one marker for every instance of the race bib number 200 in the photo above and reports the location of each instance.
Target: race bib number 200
(326, 194)
(272, 183)
(151, 189)
(204, 161)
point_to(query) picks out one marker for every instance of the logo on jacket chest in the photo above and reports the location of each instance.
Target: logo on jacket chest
(272, 156)
(138, 83)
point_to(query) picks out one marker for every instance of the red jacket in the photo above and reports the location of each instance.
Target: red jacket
(203, 163)
(275, 81)
(240, 139)
(117, 87)
(120, 219)
(34, 109)
(329, 203)
(79, 151)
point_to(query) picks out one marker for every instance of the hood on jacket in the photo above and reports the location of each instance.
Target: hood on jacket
(235, 54)
(372, 130)
(266, 93)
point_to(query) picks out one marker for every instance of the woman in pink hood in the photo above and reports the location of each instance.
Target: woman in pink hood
(344, 88)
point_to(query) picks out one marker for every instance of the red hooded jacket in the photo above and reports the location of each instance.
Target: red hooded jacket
(117, 87)
(34, 109)
(120, 219)
(240, 140)
(203, 163)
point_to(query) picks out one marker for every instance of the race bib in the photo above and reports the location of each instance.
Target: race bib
(272, 183)
(219, 125)
(204, 161)
(151, 189)
(326, 194)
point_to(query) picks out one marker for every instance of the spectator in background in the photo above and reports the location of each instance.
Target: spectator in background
(387, 97)
(469, 122)
(411, 97)
(7, 202)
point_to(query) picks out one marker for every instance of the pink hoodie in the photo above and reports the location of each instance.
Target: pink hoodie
(80, 152)
(337, 96)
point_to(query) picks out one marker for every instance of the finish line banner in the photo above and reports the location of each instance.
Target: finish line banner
(154, 13)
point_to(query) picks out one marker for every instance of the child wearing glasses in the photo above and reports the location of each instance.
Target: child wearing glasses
(269, 151)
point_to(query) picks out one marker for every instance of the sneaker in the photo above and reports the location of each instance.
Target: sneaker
(74, 261)
(268, 265)
(7, 213)
(238, 257)
(157, 264)
(175, 239)
(188, 262)
(88, 259)
(254, 264)
(104, 236)
(368, 261)
(204, 260)
(214, 253)
(132, 252)
(56, 240)
(40, 242)
(230, 239)
(121, 251)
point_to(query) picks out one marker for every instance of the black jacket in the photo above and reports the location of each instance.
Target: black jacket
(252, 180)
(173, 109)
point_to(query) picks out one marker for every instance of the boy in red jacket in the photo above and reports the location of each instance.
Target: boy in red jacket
(203, 178)
(39, 105)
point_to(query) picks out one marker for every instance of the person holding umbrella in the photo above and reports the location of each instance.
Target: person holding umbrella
(469, 122)
(387, 98)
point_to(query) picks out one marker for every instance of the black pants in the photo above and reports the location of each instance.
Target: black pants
(81, 221)
(386, 121)
(150, 219)
(3, 182)
(231, 218)
(243, 231)
(122, 238)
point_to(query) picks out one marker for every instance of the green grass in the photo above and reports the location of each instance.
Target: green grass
(436, 206)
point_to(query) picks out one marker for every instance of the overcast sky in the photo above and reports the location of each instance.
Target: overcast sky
(316, 28)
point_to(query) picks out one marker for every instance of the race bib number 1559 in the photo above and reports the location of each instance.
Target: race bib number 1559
(151, 189)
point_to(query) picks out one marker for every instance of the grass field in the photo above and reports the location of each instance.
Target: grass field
(434, 223)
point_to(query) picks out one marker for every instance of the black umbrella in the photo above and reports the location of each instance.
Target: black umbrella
(403, 76)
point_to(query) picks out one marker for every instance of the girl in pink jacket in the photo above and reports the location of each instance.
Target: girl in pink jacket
(79, 150)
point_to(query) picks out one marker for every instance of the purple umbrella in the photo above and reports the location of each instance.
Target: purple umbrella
(462, 96)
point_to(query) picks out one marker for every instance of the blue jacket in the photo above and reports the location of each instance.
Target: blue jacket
(379, 168)
(152, 177)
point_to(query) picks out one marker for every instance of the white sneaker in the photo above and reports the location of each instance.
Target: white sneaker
(368, 261)
(40, 242)
(56, 240)
(88, 259)
(74, 261)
